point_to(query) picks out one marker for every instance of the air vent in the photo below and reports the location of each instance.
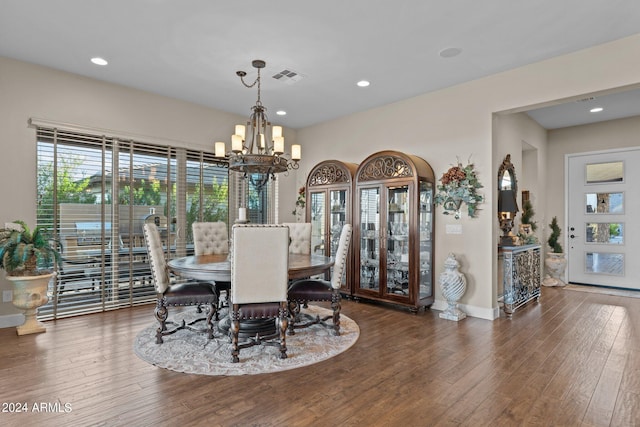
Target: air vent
(288, 76)
(587, 99)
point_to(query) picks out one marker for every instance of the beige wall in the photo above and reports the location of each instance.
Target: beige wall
(622, 133)
(456, 123)
(30, 91)
(442, 127)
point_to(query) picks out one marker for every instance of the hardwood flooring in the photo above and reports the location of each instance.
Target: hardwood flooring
(573, 359)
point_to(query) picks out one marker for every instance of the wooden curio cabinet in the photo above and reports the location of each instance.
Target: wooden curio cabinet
(329, 207)
(393, 230)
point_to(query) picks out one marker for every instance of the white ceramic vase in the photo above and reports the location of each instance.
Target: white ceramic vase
(453, 285)
(556, 264)
(29, 293)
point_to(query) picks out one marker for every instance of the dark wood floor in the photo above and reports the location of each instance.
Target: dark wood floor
(572, 359)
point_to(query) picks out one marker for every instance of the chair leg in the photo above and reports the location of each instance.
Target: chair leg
(213, 309)
(282, 324)
(294, 312)
(336, 306)
(161, 314)
(234, 330)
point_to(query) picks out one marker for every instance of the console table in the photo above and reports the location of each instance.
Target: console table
(521, 275)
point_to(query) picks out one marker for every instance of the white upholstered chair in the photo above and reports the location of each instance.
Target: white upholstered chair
(212, 238)
(259, 280)
(182, 294)
(305, 290)
(300, 235)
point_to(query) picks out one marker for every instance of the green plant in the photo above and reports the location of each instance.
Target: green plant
(553, 238)
(300, 201)
(27, 253)
(459, 184)
(527, 215)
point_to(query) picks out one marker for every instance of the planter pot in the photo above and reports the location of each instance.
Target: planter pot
(556, 264)
(29, 293)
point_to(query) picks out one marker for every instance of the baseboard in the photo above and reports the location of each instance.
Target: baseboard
(471, 310)
(11, 320)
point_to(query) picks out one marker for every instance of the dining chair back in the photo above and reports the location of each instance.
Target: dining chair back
(304, 290)
(259, 280)
(210, 238)
(190, 293)
(300, 235)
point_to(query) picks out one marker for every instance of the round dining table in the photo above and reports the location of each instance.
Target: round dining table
(217, 267)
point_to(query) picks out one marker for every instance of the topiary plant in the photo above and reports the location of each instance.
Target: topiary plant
(527, 215)
(553, 238)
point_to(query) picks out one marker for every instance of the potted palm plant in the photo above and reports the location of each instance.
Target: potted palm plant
(29, 259)
(555, 260)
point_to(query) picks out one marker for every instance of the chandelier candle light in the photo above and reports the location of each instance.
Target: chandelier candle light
(258, 147)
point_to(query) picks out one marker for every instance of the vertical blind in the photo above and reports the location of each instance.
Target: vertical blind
(95, 192)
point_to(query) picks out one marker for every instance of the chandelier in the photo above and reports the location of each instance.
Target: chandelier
(258, 147)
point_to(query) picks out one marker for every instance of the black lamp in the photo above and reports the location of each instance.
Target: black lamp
(507, 209)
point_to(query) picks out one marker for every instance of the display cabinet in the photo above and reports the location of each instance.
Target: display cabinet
(329, 207)
(393, 230)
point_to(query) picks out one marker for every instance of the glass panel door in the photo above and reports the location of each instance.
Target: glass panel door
(425, 229)
(337, 218)
(397, 240)
(370, 238)
(318, 216)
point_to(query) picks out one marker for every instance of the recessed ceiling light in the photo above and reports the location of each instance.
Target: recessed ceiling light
(99, 61)
(450, 52)
(281, 113)
(363, 83)
(596, 109)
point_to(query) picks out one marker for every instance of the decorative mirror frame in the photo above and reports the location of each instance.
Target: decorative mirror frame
(507, 166)
(507, 221)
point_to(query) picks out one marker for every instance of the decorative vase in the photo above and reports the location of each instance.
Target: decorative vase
(556, 264)
(29, 293)
(453, 285)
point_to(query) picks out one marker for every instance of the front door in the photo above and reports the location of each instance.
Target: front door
(603, 234)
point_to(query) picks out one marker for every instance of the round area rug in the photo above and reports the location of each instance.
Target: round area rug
(192, 353)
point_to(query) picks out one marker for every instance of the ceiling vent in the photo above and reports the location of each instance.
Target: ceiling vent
(587, 99)
(288, 76)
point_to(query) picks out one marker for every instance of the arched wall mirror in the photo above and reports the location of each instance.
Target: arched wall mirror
(507, 200)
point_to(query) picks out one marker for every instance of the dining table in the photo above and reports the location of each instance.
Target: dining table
(217, 268)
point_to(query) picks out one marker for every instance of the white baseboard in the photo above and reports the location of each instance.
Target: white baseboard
(471, 310)
(11, 320)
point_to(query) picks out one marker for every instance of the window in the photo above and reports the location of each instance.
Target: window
(96, 192)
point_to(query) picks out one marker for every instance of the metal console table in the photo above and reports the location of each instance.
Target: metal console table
(522, 275)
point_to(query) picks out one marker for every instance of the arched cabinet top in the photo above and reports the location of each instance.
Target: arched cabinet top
(331, 172)
(391, 164)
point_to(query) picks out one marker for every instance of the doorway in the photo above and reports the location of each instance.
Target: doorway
(603, 235)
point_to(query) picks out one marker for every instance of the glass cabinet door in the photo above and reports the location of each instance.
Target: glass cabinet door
(425, 227)
(337, 218)
(397, 240)
(318, 232)
(370, 238)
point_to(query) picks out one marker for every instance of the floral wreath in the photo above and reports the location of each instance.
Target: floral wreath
(459, 184)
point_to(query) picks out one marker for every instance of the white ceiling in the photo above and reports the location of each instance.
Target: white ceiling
(191, 49)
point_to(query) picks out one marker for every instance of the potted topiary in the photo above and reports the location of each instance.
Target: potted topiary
(527, 224)
(555, 260)
(29, 259)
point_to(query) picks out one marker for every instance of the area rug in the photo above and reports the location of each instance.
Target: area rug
(192, 353)
(604, 290)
